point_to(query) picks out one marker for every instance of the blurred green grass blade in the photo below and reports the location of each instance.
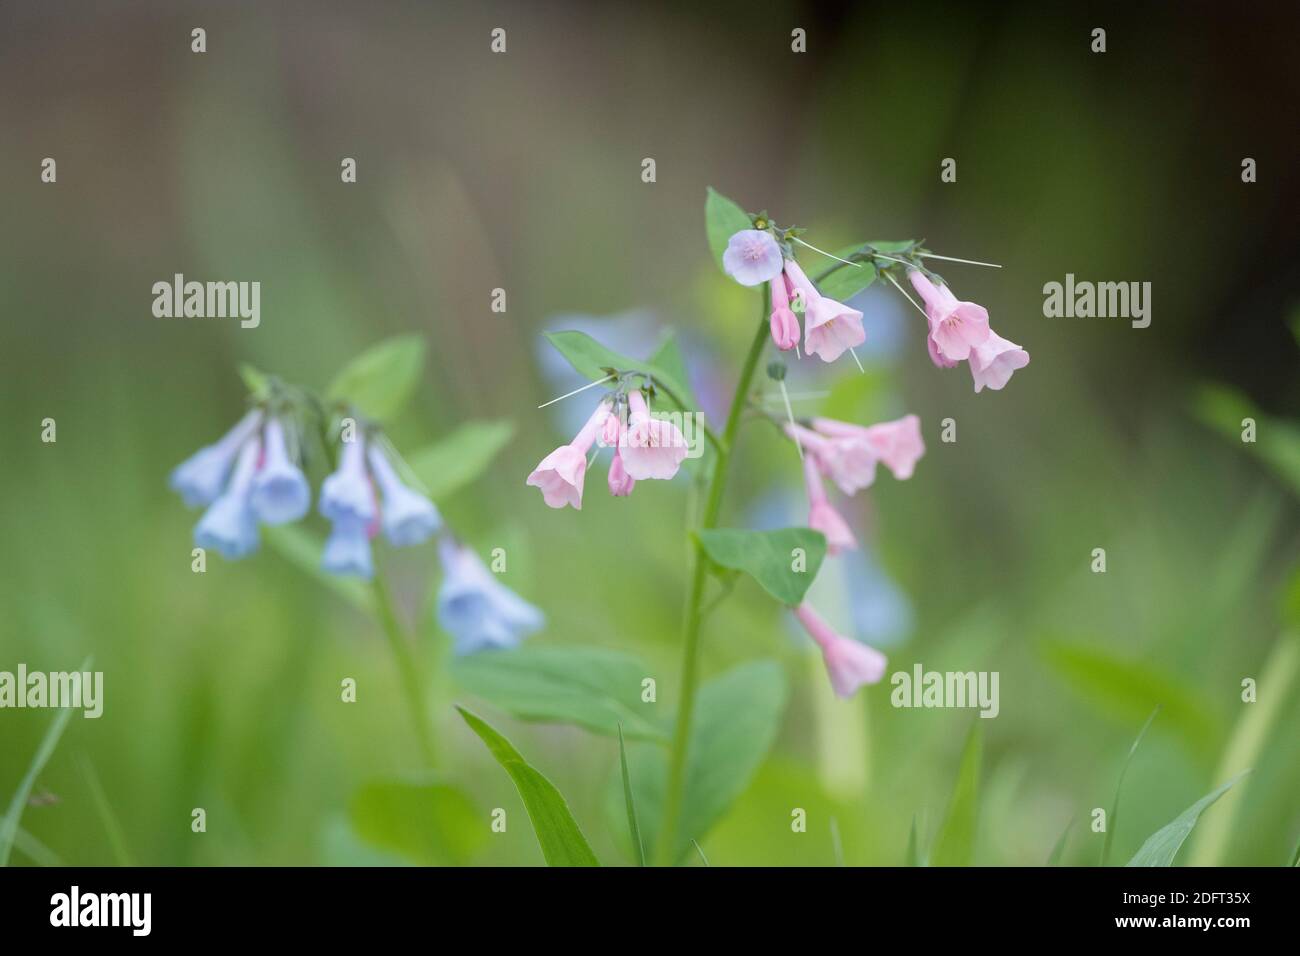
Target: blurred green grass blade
(1113, 816)
(913, 857)
(595, 688)
(380, 380)
(632, 826)
(35, 850)
(1295, 855)
(1162, 846)
(9, 828)
(453, 462)
(955, 842)
(116, 837)
(1245, 744)
(1058, 851)
(1128, 689)
(557, 832)
(705, 860)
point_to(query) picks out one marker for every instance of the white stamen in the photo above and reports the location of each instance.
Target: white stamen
(969, 262)
(856, 265)
(905, 295)
(576, 391)
(790, 414)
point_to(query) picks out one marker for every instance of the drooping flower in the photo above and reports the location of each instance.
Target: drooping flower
(229, 526)
(993, 361)
(785, 325)
(620, 482)
(652, 447)
(822, 515)
(898, 443)
(752, 257)
(830, 327)
(849, 663)
(847, 460)
(200, 478)
(347, 550)
(348, 494)
(955, 327)
(280, 491)
(408, 517)
(477, 610)
(560, 474)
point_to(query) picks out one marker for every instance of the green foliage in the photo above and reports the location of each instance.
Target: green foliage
(672, 367)
(723, 218)
(1277, 440)
(9, 826)
(1113, 816)
(737, 716)
(768, 557)
(303, 550)
(380, 380)
(557, 832)
(256, 381)
(427, 822)
(1129, 689)
(593, 360)
(456, 461)
(954, 844)
(591, 687)
(1059, 849)
(633, 829)
(1162, 846)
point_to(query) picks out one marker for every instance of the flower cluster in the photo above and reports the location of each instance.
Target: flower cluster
(847, 455)
(959, 332)
(645, 447)
(252, 476)
(831, 328)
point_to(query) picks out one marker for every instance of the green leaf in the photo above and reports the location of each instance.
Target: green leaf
(769, 557)
(955, 842)
(456, 461)
(847, 281)
(1162, 846)
(9, 826)
(427, 822)
(593, 360)
(557, 832)
(256, 381)
(668, 359)
(594, 688)
(1119, 785)
(892, 246)
(1277, 440)
(1295, 855)
(736, 720)
(379, 381)
(633, 830)
(722, 220)
(1128, 690)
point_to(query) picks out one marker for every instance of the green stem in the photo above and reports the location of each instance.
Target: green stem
(412, 685)
(666, 852)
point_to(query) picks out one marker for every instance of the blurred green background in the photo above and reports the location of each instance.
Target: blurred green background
(522, 171)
